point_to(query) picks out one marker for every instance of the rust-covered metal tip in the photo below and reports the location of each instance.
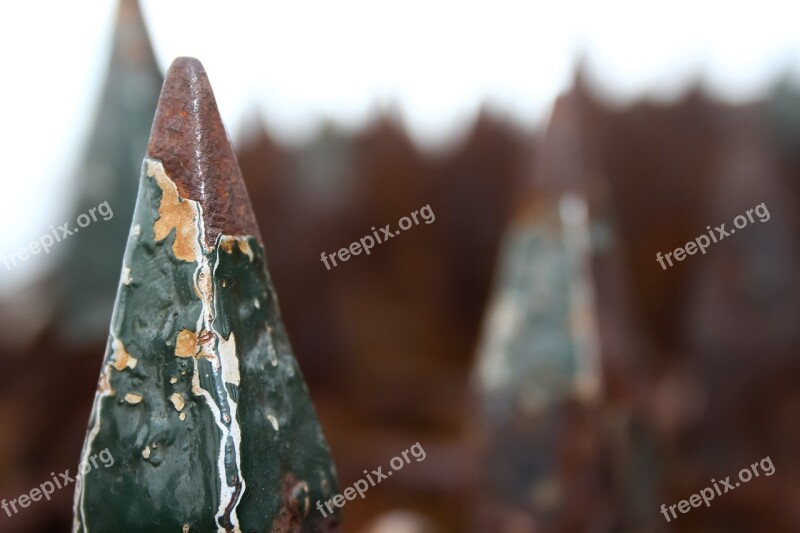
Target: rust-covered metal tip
(189, 139)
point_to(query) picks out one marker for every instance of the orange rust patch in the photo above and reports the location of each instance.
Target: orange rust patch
(178, 213)
(186, 345)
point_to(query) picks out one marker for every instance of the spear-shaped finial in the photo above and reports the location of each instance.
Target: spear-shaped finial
(202, 422)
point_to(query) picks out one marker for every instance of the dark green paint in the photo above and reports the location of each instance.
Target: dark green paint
(178, 484)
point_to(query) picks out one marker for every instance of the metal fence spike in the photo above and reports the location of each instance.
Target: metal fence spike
(202, 421)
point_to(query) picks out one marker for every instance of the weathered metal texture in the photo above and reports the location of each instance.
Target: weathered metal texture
(87, 280)
(200, 400)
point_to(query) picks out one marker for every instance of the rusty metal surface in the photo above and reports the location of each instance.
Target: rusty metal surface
(188, 137)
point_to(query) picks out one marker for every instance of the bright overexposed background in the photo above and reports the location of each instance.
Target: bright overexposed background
(435, 62)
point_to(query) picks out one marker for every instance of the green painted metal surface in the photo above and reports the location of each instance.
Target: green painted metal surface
(201, 403)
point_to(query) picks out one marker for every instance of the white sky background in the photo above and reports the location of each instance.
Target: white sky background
(436, 62)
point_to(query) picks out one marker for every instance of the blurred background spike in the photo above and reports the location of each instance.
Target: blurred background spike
(556, 432)
(200, 401)
(107, 174)
(62, 321)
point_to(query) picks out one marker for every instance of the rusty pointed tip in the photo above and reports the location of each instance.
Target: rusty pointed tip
(187, 67)
(189, 139)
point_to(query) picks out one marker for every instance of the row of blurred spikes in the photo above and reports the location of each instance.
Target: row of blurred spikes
(558, 378)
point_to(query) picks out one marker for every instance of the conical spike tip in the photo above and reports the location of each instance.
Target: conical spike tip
(189, 139)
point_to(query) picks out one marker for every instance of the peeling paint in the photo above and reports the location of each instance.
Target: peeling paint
(186, 345)
(176, 213)
(133, 398)
(218, 355)
(229, 360)
(104, 384)
(126, 276)
(121, 359)
(177, 401)
(271, 353)
(227, 243)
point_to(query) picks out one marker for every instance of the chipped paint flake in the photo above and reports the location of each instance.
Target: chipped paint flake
(229, 360)
(271, 353)
(133, 398)
(104, 383)
(126, 276)
(120, 358)
(186, 345)
(227, 243)
(273, 421)
(176, 213)
(177, 401)
(182, 220)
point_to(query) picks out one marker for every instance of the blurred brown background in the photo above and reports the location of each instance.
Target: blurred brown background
(695, 367)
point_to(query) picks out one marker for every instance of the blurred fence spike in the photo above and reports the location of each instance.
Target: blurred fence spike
(107, 175)
(538, 373)
(202, 421)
